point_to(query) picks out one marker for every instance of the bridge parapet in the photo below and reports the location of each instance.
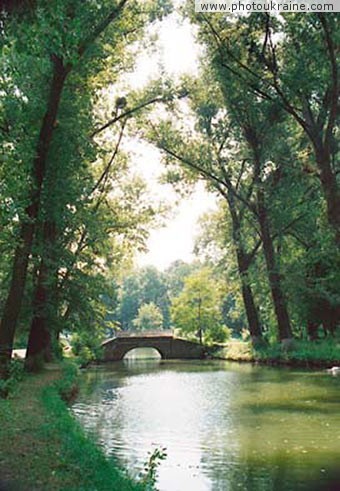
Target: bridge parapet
(146, 334)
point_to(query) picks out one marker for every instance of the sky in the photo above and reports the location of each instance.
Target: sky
(178, 54)
(176, 239)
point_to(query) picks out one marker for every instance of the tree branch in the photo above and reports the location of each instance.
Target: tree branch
(107, 169)
(126, 114)
(252, 254)
(335, 81)
(101, 27)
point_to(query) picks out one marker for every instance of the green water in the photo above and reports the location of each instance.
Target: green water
(225, 426)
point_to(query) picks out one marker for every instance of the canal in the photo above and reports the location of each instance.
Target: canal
(225, 426)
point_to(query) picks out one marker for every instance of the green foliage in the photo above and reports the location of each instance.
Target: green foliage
(217, 333)
(198, 308)
(214, 245)
(176, 274)
(15, 375)
(248, 141)
(148, 476)
(149, 318)
(98, 210)
(144, 286)
(86, 346)
(324, 353)
(145, 294)
(250, 128)
(67, 384)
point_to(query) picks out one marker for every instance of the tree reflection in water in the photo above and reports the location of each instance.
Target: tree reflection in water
(225, 427)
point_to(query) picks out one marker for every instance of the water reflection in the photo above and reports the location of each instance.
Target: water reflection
(142, 354)
(225, 426)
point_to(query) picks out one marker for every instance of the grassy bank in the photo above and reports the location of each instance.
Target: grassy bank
(42, 447)
(317, 354)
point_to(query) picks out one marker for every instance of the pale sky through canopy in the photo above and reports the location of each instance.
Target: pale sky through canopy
(178, 54)
(176, 239)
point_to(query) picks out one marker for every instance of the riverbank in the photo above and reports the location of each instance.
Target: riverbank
(42, 447)
(302, 354)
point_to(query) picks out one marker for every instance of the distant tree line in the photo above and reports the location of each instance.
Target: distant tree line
(187, 297)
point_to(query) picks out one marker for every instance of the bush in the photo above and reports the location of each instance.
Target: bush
(67, 386)
(16, 373)
(86, 348)
(217, 334)
(317, 353)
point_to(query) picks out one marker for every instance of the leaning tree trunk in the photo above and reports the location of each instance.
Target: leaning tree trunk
(274, 276)
(21, 257)
(243, 263)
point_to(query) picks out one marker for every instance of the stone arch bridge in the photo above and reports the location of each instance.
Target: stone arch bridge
(168, 346)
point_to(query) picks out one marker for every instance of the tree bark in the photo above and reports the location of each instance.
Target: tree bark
(274, 276)
(21, 257)
(330, 189)
(39, 348)
(10, 6)
(39, 340)
(254, 324)
(312, 330)
(243, 263)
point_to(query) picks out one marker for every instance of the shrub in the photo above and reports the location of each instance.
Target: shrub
(15, 374)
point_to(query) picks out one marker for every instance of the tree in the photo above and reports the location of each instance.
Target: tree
(149, 318)
(261, 80)
(197, 311)
(204, 153)
(144, 286)
(214, 246)
(63, 48)
(58, 59)
(272, 60)
(175, 275)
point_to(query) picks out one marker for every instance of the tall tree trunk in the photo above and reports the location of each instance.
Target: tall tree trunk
(323, 143)
(21, 257)
(243, 263)
(39, 340)
(330, 189)
(253, 319)
(274, 276)
(39, 347)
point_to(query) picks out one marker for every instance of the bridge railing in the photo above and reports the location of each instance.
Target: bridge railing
(145, 334)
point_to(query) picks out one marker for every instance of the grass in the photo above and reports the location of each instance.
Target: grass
(322, 353)
(42, 447)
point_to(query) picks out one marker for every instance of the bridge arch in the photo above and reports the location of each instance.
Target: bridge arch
(155, 353)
